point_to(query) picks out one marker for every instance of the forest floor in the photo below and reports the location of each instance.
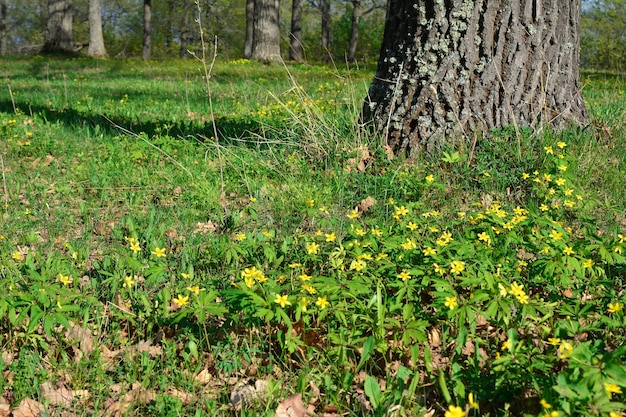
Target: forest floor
(292, 265)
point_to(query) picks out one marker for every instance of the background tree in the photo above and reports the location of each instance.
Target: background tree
(357, 13)
(247, 46)
(58, 37)
(266, 34)
(96, 40)
(147, 29)
(603, 35)
(296, 50)
(449, 70)
(3, 27)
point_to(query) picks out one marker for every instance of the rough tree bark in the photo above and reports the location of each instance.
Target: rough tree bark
(184, 31)
(96, 40)
(147, 29)
(58, 37)
(463, 67)
(247, 45)
(266, 38)
(296, 51)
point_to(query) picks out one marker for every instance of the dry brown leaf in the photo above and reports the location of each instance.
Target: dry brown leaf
(205, 228)
(56, 396)
(292, 407)
(28, 408)
(5, 407)
(85, 339)
(204, 377)
(186, 397)
(366, 204)
(244, 394)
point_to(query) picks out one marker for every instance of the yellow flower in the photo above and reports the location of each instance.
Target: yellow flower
(615, 307)
(470, 401)
(409, 244)
(159, 252)
(312, 248)
(622, 238)
(554, 341)
(181, 300)
(185, 275)
(507, 345)
(194, 289)
(568, 251)
(503, 291)
(561, 145)
(240, 237)
(282, 300)
(376, 232)
(525, 176)
(128, 281)
(461, 214)
(358, 265)
(565, 349)
(560, 182)
(322, 302)
(554, 235)
(543, 207)
(439, 269)
(65, 279)
(456, 267)
(305, 277)
(400, 212)
(612, 389)
(451, 303)
(310, 202)
(618, 249)
(134, 246)
(455, 411)
(330, 237)
(17, 256)
(309, 288)
(484, 237)
(304, 303)
(428, 251)
(544, 404)
(295, 265)
(430, 178)
(517, 289)
(562, 167)
(354, 213)
(253, 199)
(411, 226)
(549, 150)
(588, 263)
(404, 275)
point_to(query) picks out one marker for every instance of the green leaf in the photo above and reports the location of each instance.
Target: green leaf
(372, 390)
(444, 388)
(368, 349)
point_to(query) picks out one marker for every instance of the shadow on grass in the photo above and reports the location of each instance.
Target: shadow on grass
(230, 130)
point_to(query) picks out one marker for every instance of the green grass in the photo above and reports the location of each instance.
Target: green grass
(100, 155)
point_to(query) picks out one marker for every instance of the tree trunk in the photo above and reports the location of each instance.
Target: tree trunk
(266, 38)
(458, 68)
(3, 27)
(354, 33)
(147, 29)
(184, 31)
(296, 52)
(96, 40)
(325, 9)
(247, 46)
(58, 36)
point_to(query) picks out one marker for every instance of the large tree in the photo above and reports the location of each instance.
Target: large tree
(247, 45)
(58, 36)
(458, 68)
(266, 36)
(96, 40)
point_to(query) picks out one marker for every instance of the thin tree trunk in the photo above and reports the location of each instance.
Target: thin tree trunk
(184, 31)
(147, 29)
(3, 27)
(247, 46)
(447, 70)
(296, 51)
(266, 39)
(325, 9)
(59, 27)
(96, 40)
(354, 33)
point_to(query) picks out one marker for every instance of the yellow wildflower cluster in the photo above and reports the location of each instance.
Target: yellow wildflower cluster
(252, 275)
